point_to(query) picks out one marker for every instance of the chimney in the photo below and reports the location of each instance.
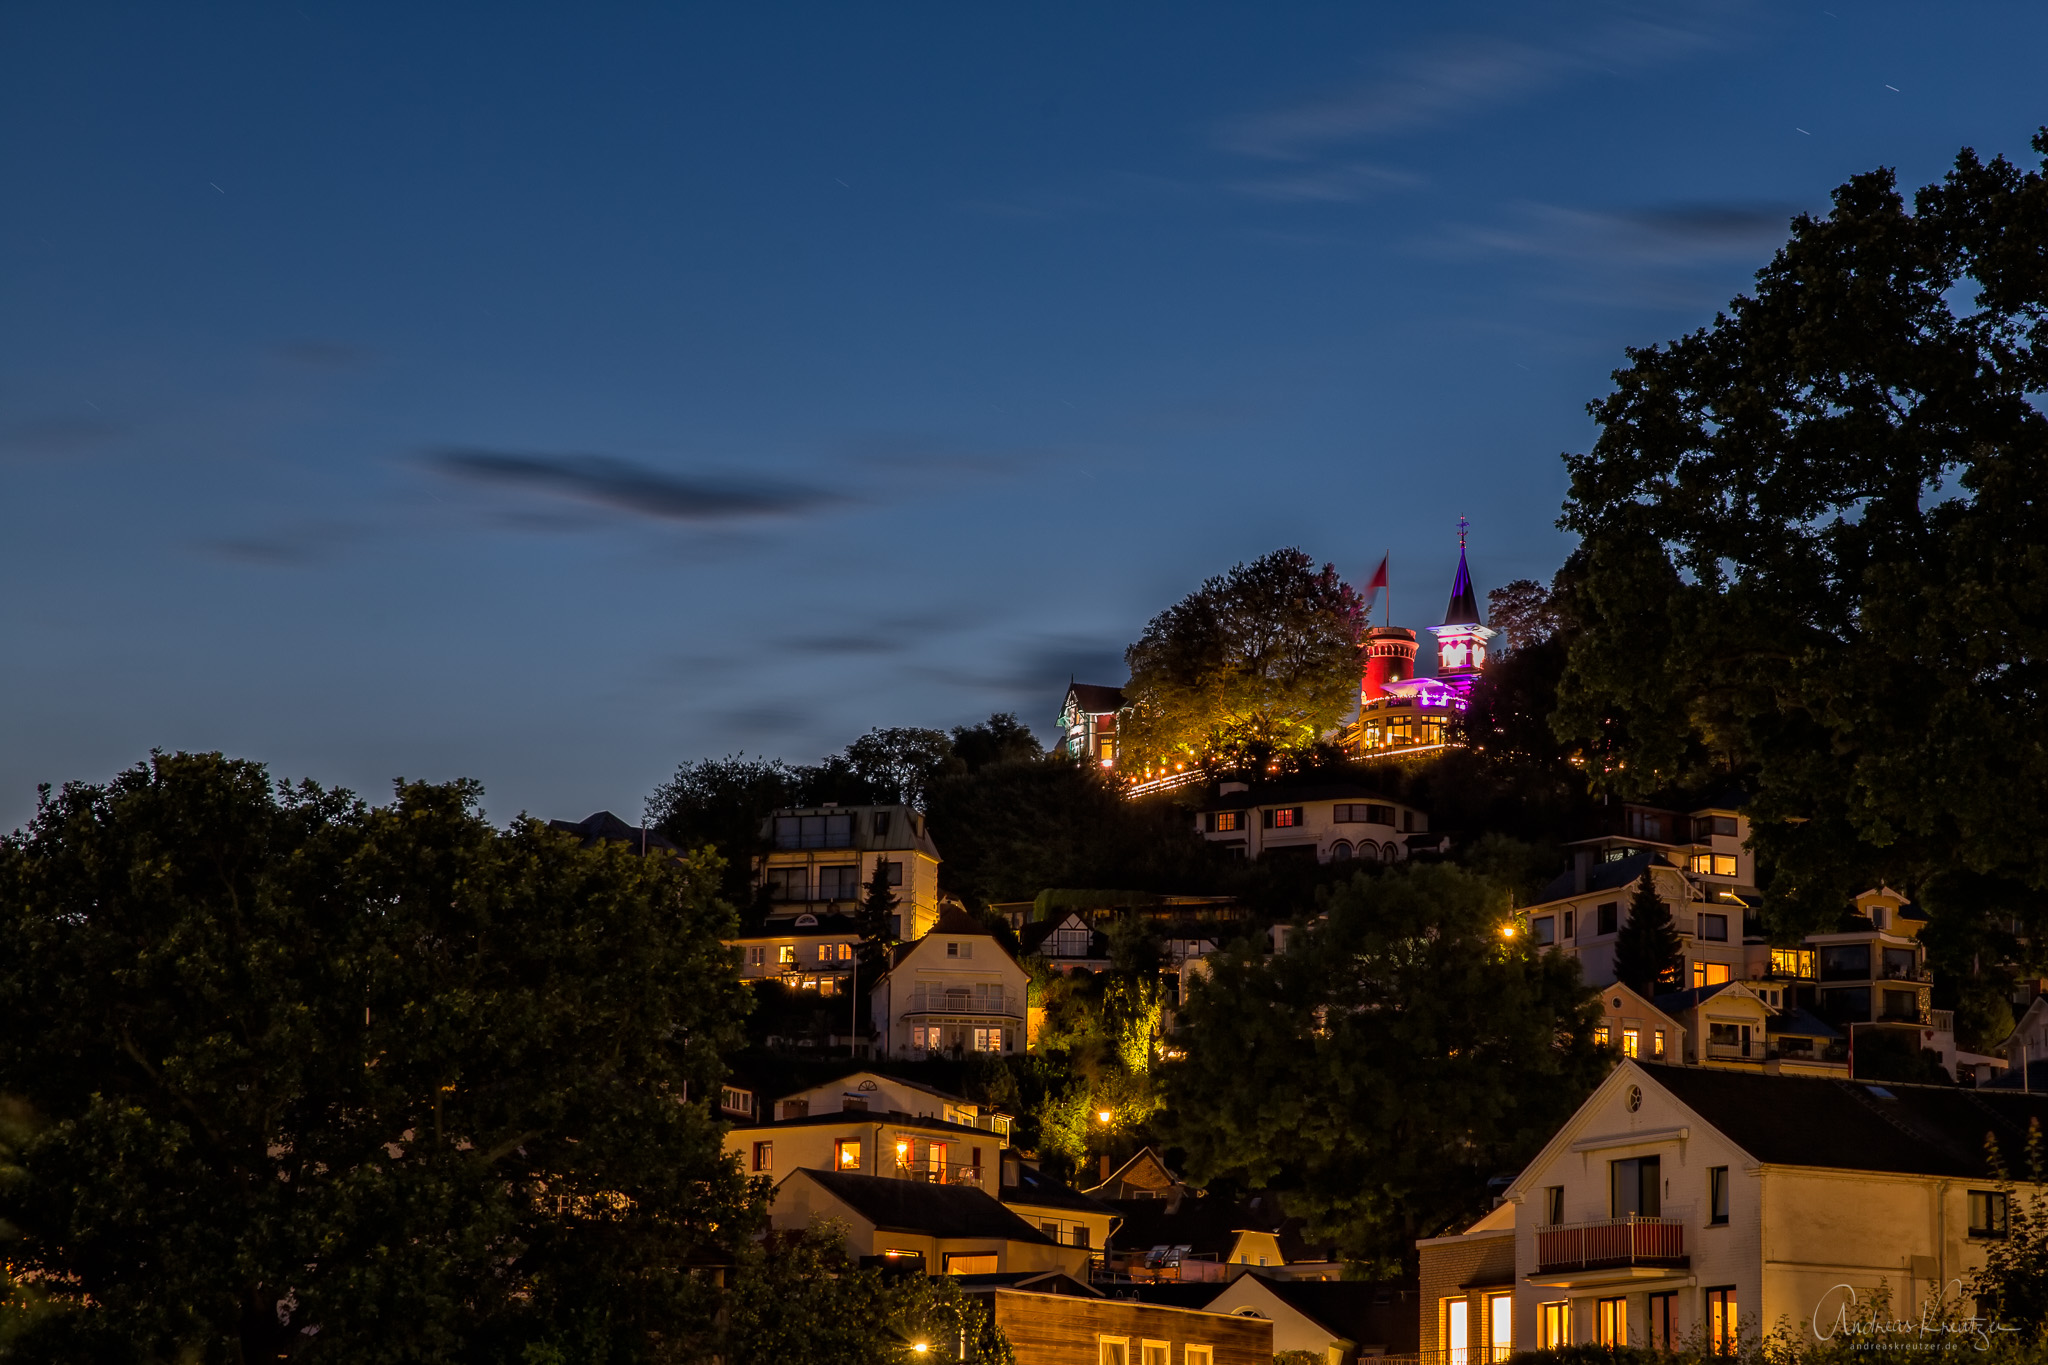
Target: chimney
(1107, 1169)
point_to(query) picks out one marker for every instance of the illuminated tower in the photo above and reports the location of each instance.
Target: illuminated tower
(1389, 658)
(1461, 639)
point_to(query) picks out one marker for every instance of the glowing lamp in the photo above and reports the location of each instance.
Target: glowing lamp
(920, 1346)
(1102, 1116)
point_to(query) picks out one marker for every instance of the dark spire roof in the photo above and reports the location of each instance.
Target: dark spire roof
(1464, 608)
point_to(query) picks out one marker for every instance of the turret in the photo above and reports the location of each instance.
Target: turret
(1461, 639)
(1389, 658)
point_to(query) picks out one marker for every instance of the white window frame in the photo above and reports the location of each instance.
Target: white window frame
(1113, 1350)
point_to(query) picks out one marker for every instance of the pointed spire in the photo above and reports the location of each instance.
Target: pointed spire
(1464, 607)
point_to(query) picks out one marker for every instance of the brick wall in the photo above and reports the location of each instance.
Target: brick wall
(1487, 1258)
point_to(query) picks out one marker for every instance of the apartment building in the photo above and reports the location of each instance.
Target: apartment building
(1322, 822)
(821, 858)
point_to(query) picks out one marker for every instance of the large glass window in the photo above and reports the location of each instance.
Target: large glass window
(1636, 1187)
(1610, 1322)
(1458, 1330)
(1901, 1006)
(1500, 1326)
(1721, 1322)
(814, 831)
(1794, 962)
(789, 883)
(1545, 929)
(839, 883)
(1899, 964)
(846, 1154)
(1714, 928)
(1553, 1325)
(1661, 1331)
(1845, 962)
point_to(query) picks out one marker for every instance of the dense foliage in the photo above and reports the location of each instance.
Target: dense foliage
(1257, 661)
(799, 1297)
(1646, 950)
(1816, 552)
(289, 1075)
(1403, 1051)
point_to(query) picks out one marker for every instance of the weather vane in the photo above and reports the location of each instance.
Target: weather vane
(1461, 535)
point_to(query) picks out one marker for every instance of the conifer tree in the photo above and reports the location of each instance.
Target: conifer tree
(1646, 950)
(877, 920)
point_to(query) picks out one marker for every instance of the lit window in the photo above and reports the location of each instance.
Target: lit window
(1223, 821)
(1600, 1035)
(1500, 1326)
(1611, 1322)
(1657, 1043)
(764, 1156)
(1286, 817)
(786, 954)
(846, 1154)
(1709, 973)
(1198, 1355)
(1721, 1321)
(1155, 1353)
(1458, 1330)
(1553, 1325)
(1113, 1350)
(1631, 1042)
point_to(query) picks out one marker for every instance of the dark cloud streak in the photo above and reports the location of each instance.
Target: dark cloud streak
(634, 489)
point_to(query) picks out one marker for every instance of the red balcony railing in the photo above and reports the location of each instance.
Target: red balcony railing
(1633, 1240)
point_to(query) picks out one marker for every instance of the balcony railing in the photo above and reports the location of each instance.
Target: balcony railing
(1634, 1240)
(939, 1172)
(1153, 1267)
(982, 998)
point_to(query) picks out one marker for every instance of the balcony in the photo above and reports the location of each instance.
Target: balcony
(940, 1172)
(982, 999)
(1623, 1248)
(1159, 1265)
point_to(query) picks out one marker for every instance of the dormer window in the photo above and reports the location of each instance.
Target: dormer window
(1877, 917)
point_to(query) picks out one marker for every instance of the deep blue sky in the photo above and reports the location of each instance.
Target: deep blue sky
(553, 394)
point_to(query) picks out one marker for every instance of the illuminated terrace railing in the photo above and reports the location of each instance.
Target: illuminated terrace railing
(1634, 1240)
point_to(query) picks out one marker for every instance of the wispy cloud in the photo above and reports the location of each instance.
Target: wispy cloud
(1345, 183)
(1660, 235)
(1454, 80)
(624, 486)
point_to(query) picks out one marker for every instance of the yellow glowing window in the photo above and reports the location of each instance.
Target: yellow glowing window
(1611, 1322)
(1657, 1043)
(1631, 1042)
(1601, 1036)
(846, 1154)
(1553, 1325)
(1709, 973)
(786, 953)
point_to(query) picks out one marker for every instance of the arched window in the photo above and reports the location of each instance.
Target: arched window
(1388, 852)
(1368, 851)
(1340, 852)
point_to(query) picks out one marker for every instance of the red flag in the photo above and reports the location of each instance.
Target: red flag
(1379, 578)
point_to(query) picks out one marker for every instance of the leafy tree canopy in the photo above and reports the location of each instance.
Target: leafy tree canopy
(1402, 1052)
(1261, 660)
(800, 1297)
(294, 1076)
(1816, 550)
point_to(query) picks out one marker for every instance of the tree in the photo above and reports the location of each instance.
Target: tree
(1647, 948)
(720, 803)
(1816, 554)
(800, 1297)
(2013, 1285)
(1259, 661)
(307, 1078)
(1522, 613)
(1403, 1051)
(1001, 738)
(898, 763)
(879, 928)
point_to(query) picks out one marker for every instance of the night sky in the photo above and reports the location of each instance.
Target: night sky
(550, 395)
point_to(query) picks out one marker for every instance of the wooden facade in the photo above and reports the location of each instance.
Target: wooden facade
(1058, 1329)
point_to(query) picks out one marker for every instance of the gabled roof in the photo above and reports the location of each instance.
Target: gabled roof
(606, 828)
(953, 922)
(1209, 1226)
(1041, 1191)
(1094, 698)
(1676, 1002)
(1143, 1157)
(1365, 1312)
(919, 1086)
(1035, 934)
(1853, 1125)
(920, 1207)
